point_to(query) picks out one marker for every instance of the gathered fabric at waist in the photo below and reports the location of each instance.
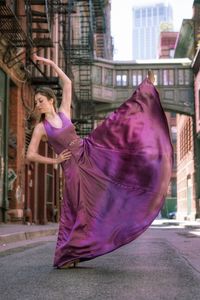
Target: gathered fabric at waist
(74, 141)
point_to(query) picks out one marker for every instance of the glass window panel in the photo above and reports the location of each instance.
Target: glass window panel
(134, 78)
(168, 77)
(124, 80)
(187, 77)
(161, 10)
(118, 80)
(171, 77)
(165, 77)
(137, 13)
(149, 12)
(108, 77)
(139, 77)
(174, 133)
(180, 77)
(97, 73)
(173, 114)
(160, 79)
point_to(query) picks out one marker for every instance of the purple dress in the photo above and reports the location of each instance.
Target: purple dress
(116, 179)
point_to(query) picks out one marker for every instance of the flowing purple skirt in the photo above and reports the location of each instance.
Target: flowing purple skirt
(117, 178)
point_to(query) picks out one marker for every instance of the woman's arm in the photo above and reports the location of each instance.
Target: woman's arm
(32, 153)
(66, 82)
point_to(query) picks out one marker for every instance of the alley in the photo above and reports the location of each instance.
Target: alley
(162, 264)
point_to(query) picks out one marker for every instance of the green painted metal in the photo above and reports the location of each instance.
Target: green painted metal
(169, 206)
(186, 45)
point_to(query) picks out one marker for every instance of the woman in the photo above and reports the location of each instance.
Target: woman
(116, 178)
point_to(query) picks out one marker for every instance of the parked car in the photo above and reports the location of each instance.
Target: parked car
(172, 215)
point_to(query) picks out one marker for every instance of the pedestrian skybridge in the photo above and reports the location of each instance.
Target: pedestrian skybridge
(115, 81)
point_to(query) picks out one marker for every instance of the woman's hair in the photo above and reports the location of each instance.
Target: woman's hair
(49, 93)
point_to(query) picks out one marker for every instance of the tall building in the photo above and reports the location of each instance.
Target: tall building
(147, 23)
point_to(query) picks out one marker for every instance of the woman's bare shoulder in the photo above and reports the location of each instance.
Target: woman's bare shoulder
(39, 127)
(65, 112)
(40, 131)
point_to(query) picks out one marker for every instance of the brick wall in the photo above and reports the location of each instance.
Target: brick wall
(186, 193)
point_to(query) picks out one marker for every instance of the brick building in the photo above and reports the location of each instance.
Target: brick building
(70, 33)
(187, 128)
(167, 42)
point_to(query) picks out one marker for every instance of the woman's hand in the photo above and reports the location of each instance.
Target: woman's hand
(64, 155)
(42, 60)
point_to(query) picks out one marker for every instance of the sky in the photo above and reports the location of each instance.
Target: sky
(121, 22)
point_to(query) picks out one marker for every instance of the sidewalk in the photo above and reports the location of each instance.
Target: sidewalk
(11, 233)
(172, 222)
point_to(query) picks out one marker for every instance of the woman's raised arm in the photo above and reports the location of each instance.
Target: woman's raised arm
(66, 84)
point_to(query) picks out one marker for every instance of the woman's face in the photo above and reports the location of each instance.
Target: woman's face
(43, 104)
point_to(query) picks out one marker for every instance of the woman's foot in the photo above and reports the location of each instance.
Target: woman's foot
(151, 76)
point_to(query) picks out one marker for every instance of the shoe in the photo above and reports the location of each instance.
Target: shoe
(151, 76)
(70, 264)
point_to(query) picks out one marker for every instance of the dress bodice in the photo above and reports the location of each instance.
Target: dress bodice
(61, 138)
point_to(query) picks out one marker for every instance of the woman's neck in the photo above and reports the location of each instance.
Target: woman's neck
(50, 115)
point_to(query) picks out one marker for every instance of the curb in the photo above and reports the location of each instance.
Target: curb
(186, 225)
(29, 235)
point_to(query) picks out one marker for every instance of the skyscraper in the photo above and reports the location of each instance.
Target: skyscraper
(147, 23)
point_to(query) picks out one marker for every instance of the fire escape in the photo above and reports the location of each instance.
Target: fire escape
(82, 26)
(81, 23)
(39, 24)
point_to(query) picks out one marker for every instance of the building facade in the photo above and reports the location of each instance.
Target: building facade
(147, 23)
(167, 44)
(64, 31)
(188, 147)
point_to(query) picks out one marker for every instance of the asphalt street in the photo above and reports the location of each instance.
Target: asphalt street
(162, 264)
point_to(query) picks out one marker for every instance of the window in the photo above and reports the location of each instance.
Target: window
(175, 161)
(161, 10)
(171, 53)
(173, 187)
(122, 78)
(187, 77)
(136, 77)
(186, 138)
(168, 77)
(180, 77)
(174, 134)
(143, 13)
(137, 13)
(97, 72)
(108, 77)
(173, 114)
(149, 12)
(184, 77)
